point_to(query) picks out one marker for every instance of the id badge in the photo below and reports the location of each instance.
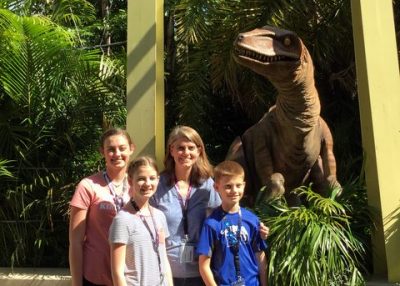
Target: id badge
(239, 282)
(186, 252)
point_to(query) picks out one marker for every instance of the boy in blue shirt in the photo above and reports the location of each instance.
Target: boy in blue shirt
(230, 248)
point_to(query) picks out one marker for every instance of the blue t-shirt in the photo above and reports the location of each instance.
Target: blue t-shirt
(167, 200)
(216, 240)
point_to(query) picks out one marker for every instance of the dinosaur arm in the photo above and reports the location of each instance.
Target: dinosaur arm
(261, 151)
(327, 156)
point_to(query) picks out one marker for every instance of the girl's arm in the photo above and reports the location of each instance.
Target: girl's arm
(205, 270)
(77, 229)
(118, 252)
(168, 270)
(262, 267)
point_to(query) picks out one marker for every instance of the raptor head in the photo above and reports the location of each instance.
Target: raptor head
(274, 53)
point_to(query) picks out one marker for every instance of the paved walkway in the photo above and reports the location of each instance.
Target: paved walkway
(61, 277)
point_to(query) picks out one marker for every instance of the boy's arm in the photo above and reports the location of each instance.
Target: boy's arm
(262, 267)
(205, 270)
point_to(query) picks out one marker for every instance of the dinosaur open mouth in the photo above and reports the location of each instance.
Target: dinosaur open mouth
(263, 58)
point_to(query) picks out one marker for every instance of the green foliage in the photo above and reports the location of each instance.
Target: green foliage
(55, 100)
(4, 173)
(313, 244)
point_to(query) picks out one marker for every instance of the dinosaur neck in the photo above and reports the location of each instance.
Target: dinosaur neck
(298, 103)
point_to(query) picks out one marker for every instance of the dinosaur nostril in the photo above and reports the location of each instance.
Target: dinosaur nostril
(240, 37)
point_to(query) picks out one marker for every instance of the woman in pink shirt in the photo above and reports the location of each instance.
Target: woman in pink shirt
(96, 201)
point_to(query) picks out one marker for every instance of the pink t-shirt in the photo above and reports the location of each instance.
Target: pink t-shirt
(93, 194)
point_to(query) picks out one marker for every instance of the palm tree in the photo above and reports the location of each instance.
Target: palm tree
(55, 101)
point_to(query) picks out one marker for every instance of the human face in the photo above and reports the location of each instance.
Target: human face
(143, 183)
(116, 151)
(184, 152)
(231, 189)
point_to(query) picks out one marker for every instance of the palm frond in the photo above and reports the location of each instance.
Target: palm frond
(312, 244)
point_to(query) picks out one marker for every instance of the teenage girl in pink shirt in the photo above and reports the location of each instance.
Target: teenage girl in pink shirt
(96, 201)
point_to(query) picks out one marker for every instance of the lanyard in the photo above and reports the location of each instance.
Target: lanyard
(155, 240)
(234, 240)
(118, 200)
(184, 206)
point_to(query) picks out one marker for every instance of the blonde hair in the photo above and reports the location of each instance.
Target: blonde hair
(135, 164)
(228, 169)
(202, 169)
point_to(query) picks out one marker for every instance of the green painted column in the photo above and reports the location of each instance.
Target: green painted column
(379, 96)
(145, 77)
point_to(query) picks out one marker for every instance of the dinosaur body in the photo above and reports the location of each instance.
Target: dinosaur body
(291, 145)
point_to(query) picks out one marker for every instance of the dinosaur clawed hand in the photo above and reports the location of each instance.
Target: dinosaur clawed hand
(333, 185)
(275, 186)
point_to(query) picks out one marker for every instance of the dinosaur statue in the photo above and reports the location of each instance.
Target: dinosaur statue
(291, 145)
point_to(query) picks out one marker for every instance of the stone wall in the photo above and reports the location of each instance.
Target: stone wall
(35, 277)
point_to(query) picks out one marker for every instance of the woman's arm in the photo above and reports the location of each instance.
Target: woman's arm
(205, 270)
(264, 231)
(118, 252)
(262, 267)
(77, 229)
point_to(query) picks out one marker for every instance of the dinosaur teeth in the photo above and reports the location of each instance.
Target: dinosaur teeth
(261, 57)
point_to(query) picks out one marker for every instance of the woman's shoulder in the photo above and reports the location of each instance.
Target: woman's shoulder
(207, 183)
(164, 183)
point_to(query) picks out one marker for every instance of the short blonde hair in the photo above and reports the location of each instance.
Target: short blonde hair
(228, 169)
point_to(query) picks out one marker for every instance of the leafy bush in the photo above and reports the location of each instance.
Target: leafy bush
(313, 244)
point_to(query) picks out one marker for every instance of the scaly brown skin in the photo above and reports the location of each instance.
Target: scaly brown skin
(291, 145)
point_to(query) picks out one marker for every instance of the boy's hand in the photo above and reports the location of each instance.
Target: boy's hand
(264, 231)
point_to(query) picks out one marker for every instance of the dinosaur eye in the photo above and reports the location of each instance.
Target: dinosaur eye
(287, 41)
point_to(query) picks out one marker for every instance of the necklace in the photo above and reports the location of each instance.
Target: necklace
(117, 185)
(118, 197)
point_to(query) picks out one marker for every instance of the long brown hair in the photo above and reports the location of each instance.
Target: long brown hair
(202, 169)
(115, 131)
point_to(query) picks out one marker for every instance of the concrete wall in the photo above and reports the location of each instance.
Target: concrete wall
(35, 277)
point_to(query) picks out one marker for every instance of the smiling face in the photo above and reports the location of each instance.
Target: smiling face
(231, 189)
(116, 151)
(143, 183)
(184, 152)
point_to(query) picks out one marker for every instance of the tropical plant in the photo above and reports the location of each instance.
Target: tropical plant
(312, 244)
(55, 100)
(4, 173)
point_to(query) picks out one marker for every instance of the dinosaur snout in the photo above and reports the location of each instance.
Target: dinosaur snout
(240, 37)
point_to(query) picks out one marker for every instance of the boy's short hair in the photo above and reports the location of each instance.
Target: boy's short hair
(228, 168)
